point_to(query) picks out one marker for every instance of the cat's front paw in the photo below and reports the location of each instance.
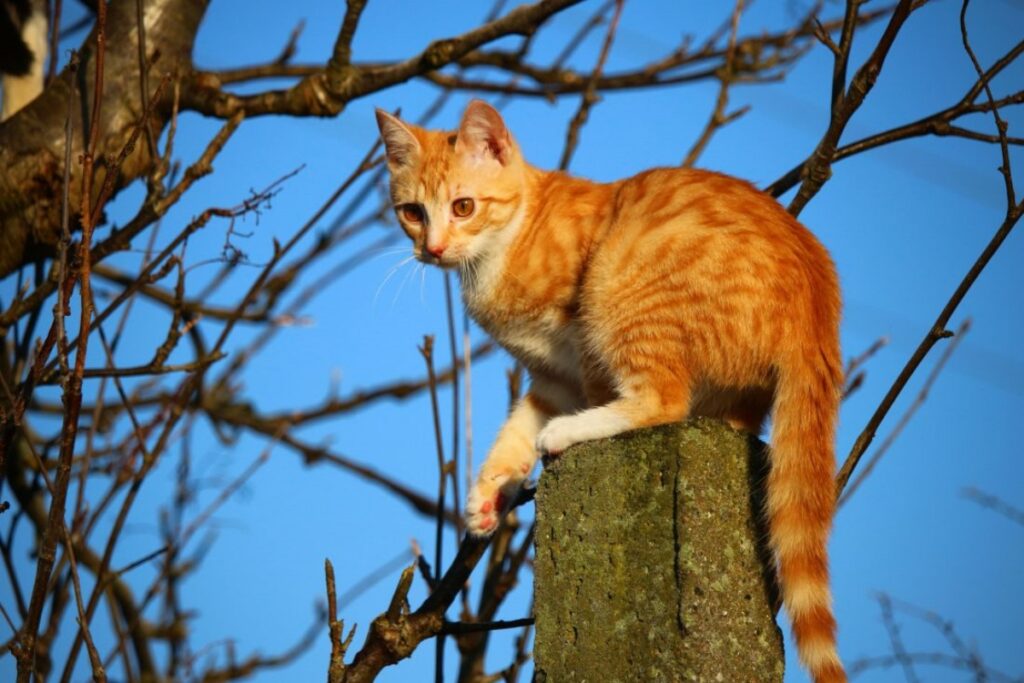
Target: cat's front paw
(556, 436)
(568, 430)
(488, 502)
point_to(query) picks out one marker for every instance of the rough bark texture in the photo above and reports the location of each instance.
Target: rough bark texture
(32, 141)
(650, 560)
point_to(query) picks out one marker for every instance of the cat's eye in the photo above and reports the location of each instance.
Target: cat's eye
(462, 207)
(411, 212)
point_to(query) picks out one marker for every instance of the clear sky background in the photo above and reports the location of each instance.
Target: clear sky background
(903, 223)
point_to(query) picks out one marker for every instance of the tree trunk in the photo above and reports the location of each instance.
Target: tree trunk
(32, 141)
(651, 562)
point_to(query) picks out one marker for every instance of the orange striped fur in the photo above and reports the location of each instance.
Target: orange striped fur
(670, 294)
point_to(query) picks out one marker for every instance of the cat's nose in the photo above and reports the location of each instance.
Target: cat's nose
(436, 250)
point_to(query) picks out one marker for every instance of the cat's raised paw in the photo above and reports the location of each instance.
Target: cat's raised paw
(485, 507)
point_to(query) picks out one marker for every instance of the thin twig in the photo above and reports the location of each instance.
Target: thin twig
(453, 350)
(461, 628)
(846, 101)
(1004, 169)
(73, 393)
(442, 475)
(726, 76)
(908, 414)
(899, 651)
(938, 329)
(336, 666)
(145, 370)
(938, 124)
(854, 375)
(467, 379)
(589, 98)
(994, 503)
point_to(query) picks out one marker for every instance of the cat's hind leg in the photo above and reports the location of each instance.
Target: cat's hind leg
(744, 408)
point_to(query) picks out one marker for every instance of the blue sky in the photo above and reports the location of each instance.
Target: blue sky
(903, 223)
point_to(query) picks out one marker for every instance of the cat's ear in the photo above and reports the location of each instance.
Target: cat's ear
(401, 145)
(482, 133)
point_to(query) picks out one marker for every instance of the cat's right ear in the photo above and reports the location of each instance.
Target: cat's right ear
(401, 145)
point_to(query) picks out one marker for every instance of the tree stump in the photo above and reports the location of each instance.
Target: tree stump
(651, 560)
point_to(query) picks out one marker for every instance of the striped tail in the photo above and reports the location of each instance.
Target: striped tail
(801, 503)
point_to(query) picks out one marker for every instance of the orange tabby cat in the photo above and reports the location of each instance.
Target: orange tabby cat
(669, 294)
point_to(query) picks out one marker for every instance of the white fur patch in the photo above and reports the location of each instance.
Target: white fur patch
(595, 423)
(802, 597)
(819, 653)
(548, 340)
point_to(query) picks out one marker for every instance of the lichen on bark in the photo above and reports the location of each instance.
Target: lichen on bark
(651, 563)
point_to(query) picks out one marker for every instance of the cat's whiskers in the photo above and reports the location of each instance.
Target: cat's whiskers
(405, 281)
(394, 269)
(386, 250)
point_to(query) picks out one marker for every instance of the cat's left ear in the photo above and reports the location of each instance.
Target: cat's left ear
(482, 133)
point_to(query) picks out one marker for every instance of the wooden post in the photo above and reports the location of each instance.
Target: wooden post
(651, 560)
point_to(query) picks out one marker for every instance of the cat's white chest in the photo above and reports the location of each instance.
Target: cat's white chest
(547, 343)
(537, 338)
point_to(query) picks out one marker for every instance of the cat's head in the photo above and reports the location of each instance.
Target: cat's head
(454, 192)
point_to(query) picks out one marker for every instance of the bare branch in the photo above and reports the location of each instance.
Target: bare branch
(725, 78)
(336, 668)
(462, 628)
(908, 415)
(995, 504)
(342, 57)
(846, 101)
(938, 330)
(326, 92)
(589, 98)
(938, 124)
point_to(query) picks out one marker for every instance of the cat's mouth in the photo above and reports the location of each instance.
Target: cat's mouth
(446, 262)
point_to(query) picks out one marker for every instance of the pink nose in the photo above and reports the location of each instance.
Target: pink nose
(437, 249)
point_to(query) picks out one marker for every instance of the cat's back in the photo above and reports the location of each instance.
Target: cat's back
(703, 199)
(712, 238)
(665, 212)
